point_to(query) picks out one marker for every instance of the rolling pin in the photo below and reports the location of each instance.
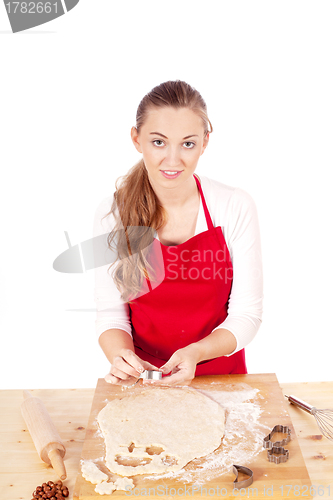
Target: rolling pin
(44, 434)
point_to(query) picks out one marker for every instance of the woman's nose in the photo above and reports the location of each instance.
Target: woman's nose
(173, 157)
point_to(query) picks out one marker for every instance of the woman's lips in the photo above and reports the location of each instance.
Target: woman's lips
(171, 174)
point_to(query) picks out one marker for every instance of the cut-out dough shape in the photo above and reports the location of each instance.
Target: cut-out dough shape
(184, 423)
(124, 483)
(121, 483)
(92, 473)
(105, 488)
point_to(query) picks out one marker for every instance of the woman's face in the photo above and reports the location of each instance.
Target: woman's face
(171, 141)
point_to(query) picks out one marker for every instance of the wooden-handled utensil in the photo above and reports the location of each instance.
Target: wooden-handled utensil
(44, 434)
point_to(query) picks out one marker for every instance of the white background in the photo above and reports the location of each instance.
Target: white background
(69, 93)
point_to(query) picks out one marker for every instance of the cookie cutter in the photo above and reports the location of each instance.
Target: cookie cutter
(268, 440)
(277, 454)
(246, 482)
(146, 375)
(151, 375)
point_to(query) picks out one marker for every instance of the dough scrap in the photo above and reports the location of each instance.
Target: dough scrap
(121, 483)
(124, 483)
(92, 473)
(159, 430)
(105, 488)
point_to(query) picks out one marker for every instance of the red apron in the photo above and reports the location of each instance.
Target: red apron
(190, 302)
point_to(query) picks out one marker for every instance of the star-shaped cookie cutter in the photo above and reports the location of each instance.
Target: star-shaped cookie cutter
(268, 440)
(277, 454)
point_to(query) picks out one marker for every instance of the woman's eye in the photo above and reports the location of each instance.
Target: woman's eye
(189, 145)
(158, 141)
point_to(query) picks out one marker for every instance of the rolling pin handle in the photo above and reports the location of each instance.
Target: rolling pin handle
(27, 394)
(57, 463)
(44, 433)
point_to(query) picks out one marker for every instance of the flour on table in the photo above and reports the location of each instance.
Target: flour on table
(92, 473)
(160, 429)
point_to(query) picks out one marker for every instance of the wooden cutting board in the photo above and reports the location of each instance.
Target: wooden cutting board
(289, 479)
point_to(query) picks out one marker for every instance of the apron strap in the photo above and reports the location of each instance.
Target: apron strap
(207, 214)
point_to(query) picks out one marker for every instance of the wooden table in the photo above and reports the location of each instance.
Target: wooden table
(22, 470)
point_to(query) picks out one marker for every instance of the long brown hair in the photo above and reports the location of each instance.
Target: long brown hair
(135, 203)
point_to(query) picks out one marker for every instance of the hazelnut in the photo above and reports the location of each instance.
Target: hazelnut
(51, 491)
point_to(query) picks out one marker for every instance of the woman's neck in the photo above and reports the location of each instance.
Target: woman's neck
(177, 197)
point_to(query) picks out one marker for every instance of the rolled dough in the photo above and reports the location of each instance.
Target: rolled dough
(159, 429)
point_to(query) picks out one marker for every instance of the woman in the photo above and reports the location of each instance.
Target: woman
(207, 305)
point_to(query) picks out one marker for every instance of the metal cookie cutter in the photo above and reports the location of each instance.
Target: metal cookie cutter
(147, 375)
(246, 482)
(277, 454)
(151, 375)
(268, 440)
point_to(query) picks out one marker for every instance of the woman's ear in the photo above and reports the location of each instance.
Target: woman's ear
(205, 142)
(135, 139)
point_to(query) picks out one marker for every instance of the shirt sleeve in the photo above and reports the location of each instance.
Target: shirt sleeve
(242, 237)
(112, 310)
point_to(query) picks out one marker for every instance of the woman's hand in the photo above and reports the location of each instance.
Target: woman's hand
(127, 367)
(182, 365)
(183, 362)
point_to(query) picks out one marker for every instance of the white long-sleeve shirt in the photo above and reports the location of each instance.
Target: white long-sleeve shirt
(234, 210)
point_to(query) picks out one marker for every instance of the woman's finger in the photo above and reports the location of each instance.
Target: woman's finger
(111, 379)
(177, 378)
(170, 364)
(122, 374)
(119, 363)
(132, 359)
(149, 366)
(138, 364)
